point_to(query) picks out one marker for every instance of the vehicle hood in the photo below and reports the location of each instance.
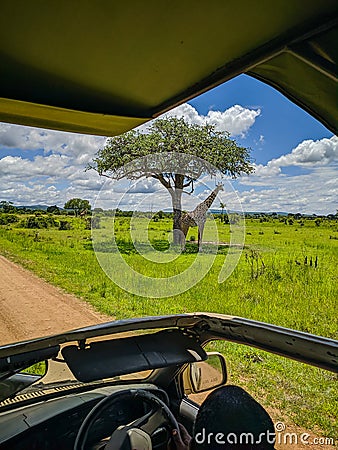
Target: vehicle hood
(105, 67)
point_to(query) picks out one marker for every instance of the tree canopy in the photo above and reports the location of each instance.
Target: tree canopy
(78, 205)
(7, 207)
(173, 135)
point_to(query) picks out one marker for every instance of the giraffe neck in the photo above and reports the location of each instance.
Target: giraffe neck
(210, 199)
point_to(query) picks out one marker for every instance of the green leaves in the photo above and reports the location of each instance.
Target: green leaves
(173, 135)
(78, 205)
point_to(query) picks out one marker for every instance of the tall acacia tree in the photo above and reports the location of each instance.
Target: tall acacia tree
(169, 137)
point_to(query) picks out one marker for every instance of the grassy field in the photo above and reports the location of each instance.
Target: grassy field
(287, 275)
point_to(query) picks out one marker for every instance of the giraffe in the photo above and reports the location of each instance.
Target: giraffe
(198, 217)
(83, 213)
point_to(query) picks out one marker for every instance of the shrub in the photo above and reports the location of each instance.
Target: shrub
(64, 225)
(5, 219)
(38, 222)
(53, 209)
(93, 222)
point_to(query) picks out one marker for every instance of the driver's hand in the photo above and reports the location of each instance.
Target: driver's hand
(180, 439)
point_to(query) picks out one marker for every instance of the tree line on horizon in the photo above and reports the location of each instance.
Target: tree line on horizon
(7, 207)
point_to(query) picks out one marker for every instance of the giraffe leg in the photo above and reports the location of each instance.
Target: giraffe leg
(182, 242)
(184, 239)
(200, 236)
(183, 234)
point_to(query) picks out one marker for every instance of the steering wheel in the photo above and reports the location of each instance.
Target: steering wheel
(136, 434)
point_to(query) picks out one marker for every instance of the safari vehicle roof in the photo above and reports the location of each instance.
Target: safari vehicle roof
(104, 67)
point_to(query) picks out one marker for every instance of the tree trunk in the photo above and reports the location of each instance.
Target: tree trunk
(176, 192)
(177, 210)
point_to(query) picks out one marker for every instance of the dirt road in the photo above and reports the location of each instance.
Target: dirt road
(30, 307)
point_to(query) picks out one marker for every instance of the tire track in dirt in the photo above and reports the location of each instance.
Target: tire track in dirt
(30, 307)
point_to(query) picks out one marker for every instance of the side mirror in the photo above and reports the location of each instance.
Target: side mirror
(205, 375)
(20, 380)
(38, 369)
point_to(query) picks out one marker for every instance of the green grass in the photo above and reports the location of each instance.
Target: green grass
(274, 282)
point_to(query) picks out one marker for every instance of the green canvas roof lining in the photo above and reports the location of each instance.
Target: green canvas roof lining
(44, 116)
(306, 74)
(106, 67)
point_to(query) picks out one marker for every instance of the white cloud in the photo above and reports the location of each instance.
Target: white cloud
(314, 191)
(145, 186)
(310, 153)
(55, 174)
(23, 194)
(81, 148)
(269, 170)
(303, 193)
(50, 166)
(88, 183)
(237, 120)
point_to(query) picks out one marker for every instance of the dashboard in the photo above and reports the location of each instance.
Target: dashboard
(53, 424)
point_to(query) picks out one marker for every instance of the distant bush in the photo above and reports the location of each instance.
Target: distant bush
(93, 222)
(38, 222)
(64, 225)
(53, 209)
(234, 218)
(158, 216)
(5, 219)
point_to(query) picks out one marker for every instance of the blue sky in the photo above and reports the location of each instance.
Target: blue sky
(283, 124)
(295, 157)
